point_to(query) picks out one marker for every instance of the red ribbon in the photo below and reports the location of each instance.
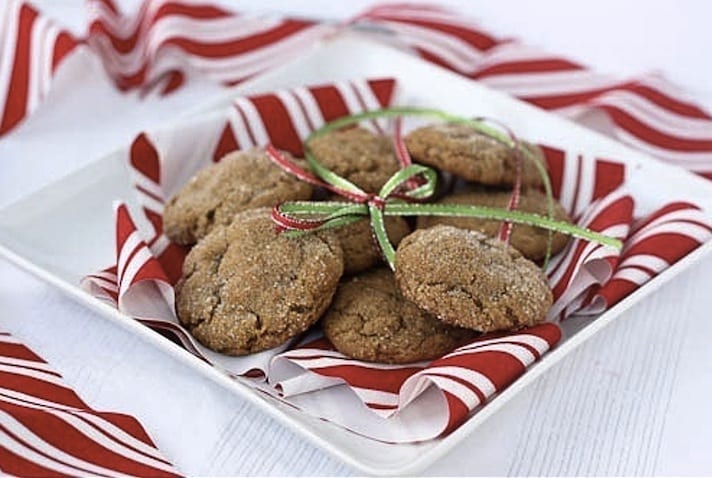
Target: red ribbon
(505, 230)
(285, 222)
(402, 153)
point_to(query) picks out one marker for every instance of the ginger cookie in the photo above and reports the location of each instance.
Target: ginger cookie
(470, 280)
(461, 150)
(358, 155)
(242, 180)
(246, 288)
(370, 320)
(529, 240)
(360, 249)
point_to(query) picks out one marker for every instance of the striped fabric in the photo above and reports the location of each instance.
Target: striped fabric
(47, 430)
(31, 49)
(585, 264)
(647, 113)
(167, 41)
(652, 246)
(584, 276)
(467, 377)
(158, 48)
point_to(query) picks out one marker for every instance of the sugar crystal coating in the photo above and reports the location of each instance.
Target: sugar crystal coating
(470, 280)
(358, 155)
(529, 240)
(463, 151)
(246, 288)
(242, 180)
(361, 251)
(369, 319)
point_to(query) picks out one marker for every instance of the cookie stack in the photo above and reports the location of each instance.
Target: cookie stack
(247, 288)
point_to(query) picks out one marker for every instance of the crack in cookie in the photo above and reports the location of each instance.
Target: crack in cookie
(463, 151)
(242, 180)
(370, 320)
(470, 280)
(252, 289)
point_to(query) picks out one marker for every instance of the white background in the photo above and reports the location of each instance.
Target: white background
(633, 400)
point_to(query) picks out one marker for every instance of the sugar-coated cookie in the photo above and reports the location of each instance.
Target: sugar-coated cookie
(246, 288)
(360, 249)
(358, 155)
(370, 320)
(461, 150)
(470, 280)
(240, 181)
(529, 240)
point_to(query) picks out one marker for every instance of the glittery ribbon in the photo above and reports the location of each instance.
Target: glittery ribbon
(400, 195)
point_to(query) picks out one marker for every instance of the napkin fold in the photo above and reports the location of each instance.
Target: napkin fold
(47, 430)
(161, 161)
(407, 403)
(648, 113)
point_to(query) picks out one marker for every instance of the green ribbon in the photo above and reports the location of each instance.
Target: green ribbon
(392, 200)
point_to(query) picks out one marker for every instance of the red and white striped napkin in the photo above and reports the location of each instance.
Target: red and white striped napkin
(147, 263)
(47, 430)
(170, 41)
(406, 403)
(156, 49)
(647, 113)
(167, 41)
(311, 375)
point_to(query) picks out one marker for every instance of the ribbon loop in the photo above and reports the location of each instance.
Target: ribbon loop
(402, 176)
(413, 182)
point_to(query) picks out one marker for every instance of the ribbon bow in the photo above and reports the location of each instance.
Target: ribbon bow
(402, 193)
(305, 216)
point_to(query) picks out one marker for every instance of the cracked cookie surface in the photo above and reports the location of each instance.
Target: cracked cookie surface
(358, 155)
(246, 288)
(461, 150)
(241, 180)
(470, 280)
(370, 320)
(529, 240)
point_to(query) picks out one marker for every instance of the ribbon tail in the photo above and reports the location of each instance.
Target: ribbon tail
(378, 226)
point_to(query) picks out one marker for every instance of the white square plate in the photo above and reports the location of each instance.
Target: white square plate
(39, 232)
